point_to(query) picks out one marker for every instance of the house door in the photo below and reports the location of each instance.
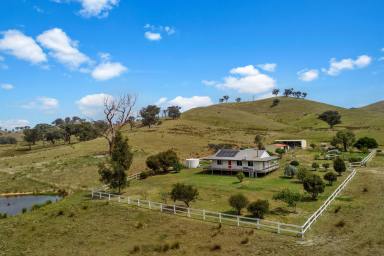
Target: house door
(229, 164)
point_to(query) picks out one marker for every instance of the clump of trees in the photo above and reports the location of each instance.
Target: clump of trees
(344, 138)
(113, 172)
(7, 140)
(150, 115)
(330, 177)
(184, 193)
(290, 92)
(164, 162)
(174, 112)
(258, 208)
(331, 117)
(366, 143)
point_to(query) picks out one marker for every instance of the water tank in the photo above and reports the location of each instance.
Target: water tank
(192, 162)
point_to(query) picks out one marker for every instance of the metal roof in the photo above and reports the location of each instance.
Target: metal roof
(250, 154)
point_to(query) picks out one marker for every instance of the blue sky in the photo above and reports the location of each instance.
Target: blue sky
(62, 57)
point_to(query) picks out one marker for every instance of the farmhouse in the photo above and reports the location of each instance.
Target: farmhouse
(250, 161)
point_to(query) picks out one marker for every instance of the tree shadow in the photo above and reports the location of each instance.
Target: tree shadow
(280, 211)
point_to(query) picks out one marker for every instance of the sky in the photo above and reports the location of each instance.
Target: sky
(61, 58)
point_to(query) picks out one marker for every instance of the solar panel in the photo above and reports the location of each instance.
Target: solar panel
(227, 153)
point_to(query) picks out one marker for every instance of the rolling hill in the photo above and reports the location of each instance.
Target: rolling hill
(377, 106)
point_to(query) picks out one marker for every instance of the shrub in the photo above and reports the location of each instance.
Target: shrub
(325, 166)
(3, 215)
(294, 163)
(259, 208)
(215, 247)
(24, 210)
(245, 241)
(290, 171)
(280, 151)
(366, 142)
(177, 167)
(275, 102)
(314, 185)
(340, 224)
(240, 176)
(339, 166)
(289, 197)
(184, 193)
(175, 245)
(353, 159)
(163, 161)
(301, 174)
(238, 202)
(315, 166)
(153, 163)
(330, 177)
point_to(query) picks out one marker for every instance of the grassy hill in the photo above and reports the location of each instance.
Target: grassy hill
(377, 106)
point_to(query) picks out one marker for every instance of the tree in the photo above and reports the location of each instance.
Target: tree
(294, 163)
(150, 115)
(163, 161)
(226, 98)
(153, 163)
(275, 102)
(304, 95)
(330, 177)
(259, 141)
(240, 176)
(221, 100)
(346, 138)
(301, 174)
(331, 117)
(238, 202)
(174, 112)
(280, 151)
(238, 99)
(117, 112)
(288, 92)
(131, 121)
(54, 134)
(315, 166)
(366, 142)
(31, 136)
(289, 197)
(259, 208)
(325, 166)
(290, 171)
(314, 185)
(339, 165)
(275, 92)
(114, 173)
(184, 193)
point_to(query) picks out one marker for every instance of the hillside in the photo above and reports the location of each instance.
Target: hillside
(377, 106)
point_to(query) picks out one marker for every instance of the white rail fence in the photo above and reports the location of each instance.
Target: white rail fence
(230, 219)
(365, 160)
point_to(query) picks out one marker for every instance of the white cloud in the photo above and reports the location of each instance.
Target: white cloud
(10, 124)
(22, 47)
(43, 103)
(270, 67)
(246, 79)
(186, 103)
(94, 8)
(336, 67)
(308, 75)
(152, 36)
(161, 101)
(108, 70)
(7, 87)
(209, 82)
(92, 105)
(62, 48)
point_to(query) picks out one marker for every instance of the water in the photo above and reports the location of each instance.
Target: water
(13, 205)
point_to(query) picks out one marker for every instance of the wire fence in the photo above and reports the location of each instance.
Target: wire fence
(224, 218)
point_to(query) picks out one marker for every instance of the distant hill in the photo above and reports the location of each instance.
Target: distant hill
(378, 106)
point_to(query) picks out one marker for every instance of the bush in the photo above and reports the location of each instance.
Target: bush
(339, 166)
(280, 151)
(3, 215)
(301, 174)
(325, 166)
(259, 208)
(163, 161)
(366, 142)
(353, 159)
(153, 163)
(215, 247)
(240, 176)
(289, 197)
(330, 177)
(314, 185)
(184, 193)
(295, 163)
(315, 166)
(238, 202)
(290, 171)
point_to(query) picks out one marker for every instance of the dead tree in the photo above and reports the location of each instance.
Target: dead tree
(117, 113)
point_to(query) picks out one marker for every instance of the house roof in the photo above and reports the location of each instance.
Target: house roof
(250, 154)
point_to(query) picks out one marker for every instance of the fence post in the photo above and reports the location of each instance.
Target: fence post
(220, 217)
(258, 223)
(161, 207)
(129, 200)
(109, 197)
(238, 221)
(203, 214)
(149, 204)
(174, 209)
(189, 213)
(92, 193)
(278, 228)
(138, 202)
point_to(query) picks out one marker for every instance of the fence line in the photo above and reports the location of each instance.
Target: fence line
(365, 160)
(212, 216)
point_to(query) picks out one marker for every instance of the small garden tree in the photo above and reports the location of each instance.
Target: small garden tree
(314, 185)
(150, 115)
(290, 171)
(164, 161)
(325, 166)
(339, 165)
(346, 138)
(302, 173)
(315, 166)
(294, 163)
(280, 151)
(238, 202)
(184, 193)
(289, 197)
(366, 142)
(240, 176)
(330, 177)
(259, 208)
(331, 117)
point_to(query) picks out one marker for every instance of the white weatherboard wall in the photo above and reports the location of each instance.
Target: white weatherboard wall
(192, 162)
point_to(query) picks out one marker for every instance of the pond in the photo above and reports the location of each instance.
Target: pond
(12, 205)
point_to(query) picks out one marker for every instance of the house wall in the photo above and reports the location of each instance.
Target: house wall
(256, 165)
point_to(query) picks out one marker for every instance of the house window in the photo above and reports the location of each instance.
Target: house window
(239, 163)
(219, 162)
(250, 163)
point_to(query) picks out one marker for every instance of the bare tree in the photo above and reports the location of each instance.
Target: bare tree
(117, 113)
